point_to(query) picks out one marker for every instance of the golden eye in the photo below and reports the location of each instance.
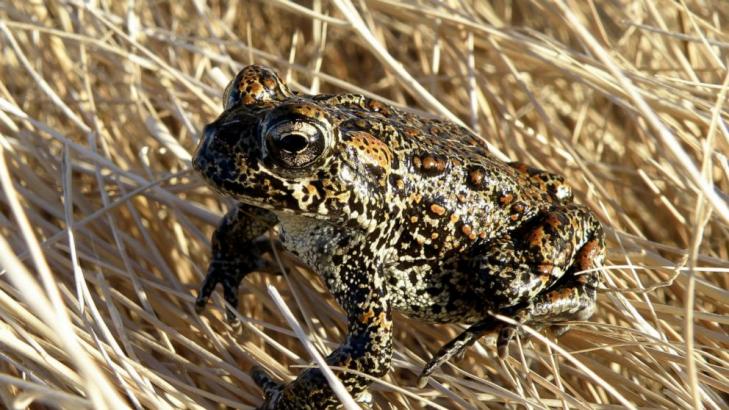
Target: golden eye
(295, 143)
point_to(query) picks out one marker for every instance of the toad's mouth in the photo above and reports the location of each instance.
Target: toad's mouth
(231, 173)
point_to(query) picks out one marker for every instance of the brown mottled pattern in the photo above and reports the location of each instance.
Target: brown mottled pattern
(396, 212)
(372, 150)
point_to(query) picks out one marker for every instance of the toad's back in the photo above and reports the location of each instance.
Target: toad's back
(444, 192)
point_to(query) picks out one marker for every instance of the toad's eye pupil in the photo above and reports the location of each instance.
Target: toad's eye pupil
(293, 143)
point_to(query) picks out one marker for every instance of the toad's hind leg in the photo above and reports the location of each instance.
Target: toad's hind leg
(573, 297)
(534, 276)
(573, 300)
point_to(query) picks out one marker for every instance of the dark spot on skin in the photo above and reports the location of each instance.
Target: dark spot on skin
(413, 277)
(375, 170)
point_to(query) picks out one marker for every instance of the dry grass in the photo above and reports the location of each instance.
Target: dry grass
(100, 107)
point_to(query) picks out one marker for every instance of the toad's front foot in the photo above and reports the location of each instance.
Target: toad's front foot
(229, 276)
(365, 355)
(229, 272)
(279, 395)
(236, 252)
(271, 388)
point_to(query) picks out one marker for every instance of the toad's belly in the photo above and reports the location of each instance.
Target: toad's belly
(436, 294)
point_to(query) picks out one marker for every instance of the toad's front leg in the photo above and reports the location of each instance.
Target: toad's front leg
(235, 254)
(360, 291)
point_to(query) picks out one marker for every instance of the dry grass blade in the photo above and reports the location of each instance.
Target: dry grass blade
(335, 384)
(105, 230)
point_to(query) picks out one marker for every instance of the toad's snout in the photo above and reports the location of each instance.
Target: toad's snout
(200, 159)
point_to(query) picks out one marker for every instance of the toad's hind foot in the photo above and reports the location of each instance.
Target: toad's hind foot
(457, 347)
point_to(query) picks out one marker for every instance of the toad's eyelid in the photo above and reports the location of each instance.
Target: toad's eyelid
(300, 127)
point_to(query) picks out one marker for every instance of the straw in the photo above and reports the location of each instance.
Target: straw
(104, 226)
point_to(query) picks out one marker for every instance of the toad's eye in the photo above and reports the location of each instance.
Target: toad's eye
(296, 143)
(292, 143)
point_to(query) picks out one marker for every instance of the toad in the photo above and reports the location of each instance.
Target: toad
(396, 212)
